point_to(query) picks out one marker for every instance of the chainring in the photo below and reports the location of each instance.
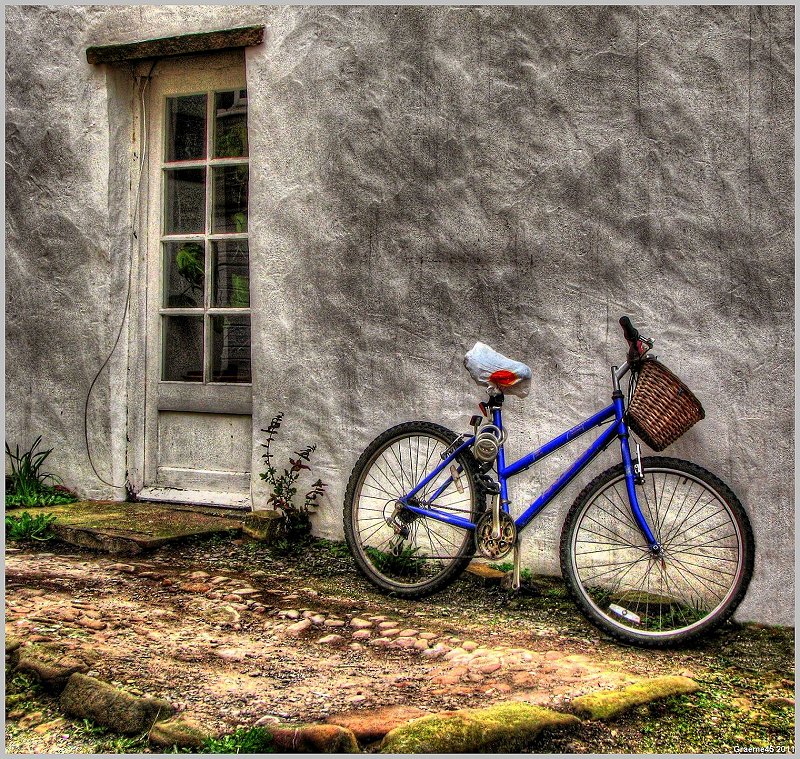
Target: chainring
(495, 548)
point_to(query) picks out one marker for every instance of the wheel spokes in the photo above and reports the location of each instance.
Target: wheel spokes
(639, 590)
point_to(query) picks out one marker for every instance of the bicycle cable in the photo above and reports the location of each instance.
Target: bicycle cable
(134, 239)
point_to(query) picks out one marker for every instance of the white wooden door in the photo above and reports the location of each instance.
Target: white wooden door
(198, 396)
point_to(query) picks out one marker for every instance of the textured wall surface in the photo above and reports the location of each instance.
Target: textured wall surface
(426, 177)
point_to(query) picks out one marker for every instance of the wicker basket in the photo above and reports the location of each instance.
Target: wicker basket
(662, 407)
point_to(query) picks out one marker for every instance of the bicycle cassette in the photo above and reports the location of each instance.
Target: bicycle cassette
(495, 548)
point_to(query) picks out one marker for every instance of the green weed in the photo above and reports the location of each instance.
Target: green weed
(506, 566)
(336, 549)
(26, 484)
(400, 562)
(26, 527)
(250, 740)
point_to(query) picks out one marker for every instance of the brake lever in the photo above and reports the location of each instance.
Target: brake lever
(640, 348)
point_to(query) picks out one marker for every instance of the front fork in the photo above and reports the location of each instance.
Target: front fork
(632, 475)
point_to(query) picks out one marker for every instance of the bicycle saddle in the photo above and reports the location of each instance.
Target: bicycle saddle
(497, 372)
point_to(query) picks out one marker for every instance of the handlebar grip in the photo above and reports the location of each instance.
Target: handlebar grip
(631, 333)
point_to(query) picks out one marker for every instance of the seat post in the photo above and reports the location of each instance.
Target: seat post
(495, 400)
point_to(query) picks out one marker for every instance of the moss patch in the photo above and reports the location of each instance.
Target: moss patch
(130, 527)
(503, 727)
(609, 704)
(152, 519)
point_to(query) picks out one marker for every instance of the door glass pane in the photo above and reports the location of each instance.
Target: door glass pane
(184, 274)
(230, 199)
(186, 128)
(230, 348)
(183, 348)
(185, 201)
(230, 126)
(231, 272)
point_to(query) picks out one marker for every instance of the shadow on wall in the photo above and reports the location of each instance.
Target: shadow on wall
(496, 171)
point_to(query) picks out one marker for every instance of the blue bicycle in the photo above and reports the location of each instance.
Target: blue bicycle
(655, 550)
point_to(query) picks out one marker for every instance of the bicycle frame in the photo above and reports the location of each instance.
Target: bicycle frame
(618, 429)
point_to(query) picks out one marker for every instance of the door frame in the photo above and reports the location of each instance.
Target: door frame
(148, 395)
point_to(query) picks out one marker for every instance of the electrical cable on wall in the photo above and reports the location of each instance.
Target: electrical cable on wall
(142, 159)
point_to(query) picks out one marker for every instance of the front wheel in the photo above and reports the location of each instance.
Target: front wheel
(691, 587)
(400, 551)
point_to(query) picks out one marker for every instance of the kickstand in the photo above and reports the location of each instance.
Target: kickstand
(515, 577)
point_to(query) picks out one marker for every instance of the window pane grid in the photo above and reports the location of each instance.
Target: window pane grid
(216, 290)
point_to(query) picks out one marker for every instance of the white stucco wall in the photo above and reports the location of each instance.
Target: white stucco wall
(422, 178)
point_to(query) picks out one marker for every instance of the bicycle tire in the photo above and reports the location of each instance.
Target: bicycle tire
(711, 570)
(408, 571)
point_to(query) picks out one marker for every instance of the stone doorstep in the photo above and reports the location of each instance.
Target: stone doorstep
(129, 542)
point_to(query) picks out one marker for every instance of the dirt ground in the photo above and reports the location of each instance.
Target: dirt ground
(217, 628)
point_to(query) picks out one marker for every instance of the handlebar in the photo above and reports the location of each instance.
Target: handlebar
(637, 345)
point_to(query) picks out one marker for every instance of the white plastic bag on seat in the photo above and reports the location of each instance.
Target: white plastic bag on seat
(492, 369)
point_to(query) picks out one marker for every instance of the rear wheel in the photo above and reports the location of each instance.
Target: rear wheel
(398, 550)
(649, 599)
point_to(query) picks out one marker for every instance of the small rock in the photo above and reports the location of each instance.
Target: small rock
(427, 636)
(360, 624)
(92, 624)
(608, 704)
(403, 642)
(408, 633)
(49, 727)
(489, 667)
(126, 568)
(229, 654)
(361, 635)
(778, 702)
(318, 619)
(289, 614)
(387, 625)
(356, 647)
(420, 644)
(392, 632)
(267, 719)
(85, 697)
(194, 587)
(380, 642)
(298, 628)
(181, 731)
(52, 663)
(199, 575)
(331, 640)
(485, 572)
(334, 623)
(232, 597)
(31, 719)
(325, 739)
(469, 645)
(507, 727)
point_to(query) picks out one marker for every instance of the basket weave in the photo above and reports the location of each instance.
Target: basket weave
(662, 407)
